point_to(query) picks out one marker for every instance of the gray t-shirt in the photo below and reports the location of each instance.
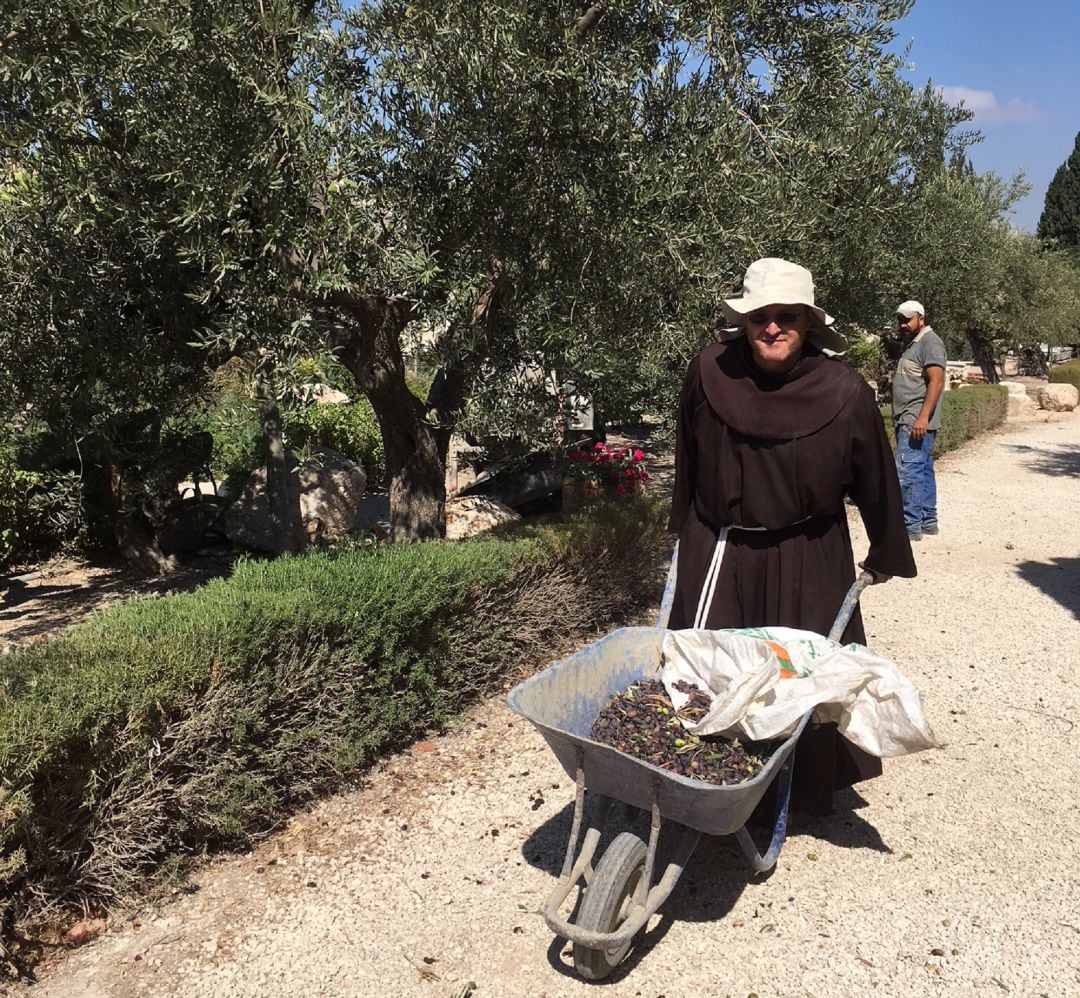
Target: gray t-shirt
(909, 384)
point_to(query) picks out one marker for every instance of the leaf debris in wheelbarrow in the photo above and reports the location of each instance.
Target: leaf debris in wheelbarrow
(643, 722)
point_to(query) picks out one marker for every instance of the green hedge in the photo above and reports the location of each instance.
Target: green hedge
(166, 727)
(1066, 374)
(965, 413)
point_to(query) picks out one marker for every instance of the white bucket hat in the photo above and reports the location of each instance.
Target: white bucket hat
(773, 281)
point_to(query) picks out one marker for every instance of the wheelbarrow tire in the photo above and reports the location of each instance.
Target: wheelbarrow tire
(606, 902)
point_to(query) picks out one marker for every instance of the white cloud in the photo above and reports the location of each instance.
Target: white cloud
(988, 109)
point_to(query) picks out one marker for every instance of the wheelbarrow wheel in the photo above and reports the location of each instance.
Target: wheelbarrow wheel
(607, 903)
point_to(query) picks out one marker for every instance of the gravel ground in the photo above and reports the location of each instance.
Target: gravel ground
(954, 874)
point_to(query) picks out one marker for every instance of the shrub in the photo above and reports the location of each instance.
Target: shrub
(17, 518)
(867, 357)
(1066, 374)
(965, 413)
(40, 511)
(350, 429)
(164, 727)
(968, 412)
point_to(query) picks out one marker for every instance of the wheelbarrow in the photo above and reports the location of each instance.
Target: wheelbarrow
(620, 896)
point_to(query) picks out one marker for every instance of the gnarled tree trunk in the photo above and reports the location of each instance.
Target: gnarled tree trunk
(982, 355)
(415, 458)
(282, 484)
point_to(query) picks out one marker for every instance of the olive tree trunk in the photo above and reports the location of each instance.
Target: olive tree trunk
(415, 450)
(282, 484)
(983, 355)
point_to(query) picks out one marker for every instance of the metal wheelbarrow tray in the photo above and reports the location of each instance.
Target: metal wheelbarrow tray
(562, 701)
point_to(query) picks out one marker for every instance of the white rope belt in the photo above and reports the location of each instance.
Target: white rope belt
(708, 587)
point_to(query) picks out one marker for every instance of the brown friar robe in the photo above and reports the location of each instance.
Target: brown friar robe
(781, 453)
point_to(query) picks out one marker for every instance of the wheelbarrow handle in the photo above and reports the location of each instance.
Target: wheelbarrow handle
(668, 599)
(847, 608)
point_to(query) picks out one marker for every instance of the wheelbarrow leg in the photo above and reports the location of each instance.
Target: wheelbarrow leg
(762, 864)
(622, 898)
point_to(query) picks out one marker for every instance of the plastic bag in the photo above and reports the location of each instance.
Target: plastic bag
(764, 679)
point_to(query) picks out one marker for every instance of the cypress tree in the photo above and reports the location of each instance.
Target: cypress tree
(1060, 220)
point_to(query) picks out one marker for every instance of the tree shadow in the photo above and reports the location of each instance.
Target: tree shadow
(1052, 460)
(30, 612)
(1060, 580)
(715, 875)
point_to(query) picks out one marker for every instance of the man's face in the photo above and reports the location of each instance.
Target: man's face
(910, 327)
(777, 334)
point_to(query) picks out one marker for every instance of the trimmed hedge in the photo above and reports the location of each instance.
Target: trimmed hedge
(965, 413)
(1066, 374)
(166, 727)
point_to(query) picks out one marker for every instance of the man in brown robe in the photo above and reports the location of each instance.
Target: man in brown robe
(772, 435)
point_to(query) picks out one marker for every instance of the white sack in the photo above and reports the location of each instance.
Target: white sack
(763, 680)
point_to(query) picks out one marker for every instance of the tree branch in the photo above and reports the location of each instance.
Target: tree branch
(589, 20)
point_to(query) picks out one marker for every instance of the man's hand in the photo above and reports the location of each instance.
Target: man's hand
(879, 577)
(919, 428)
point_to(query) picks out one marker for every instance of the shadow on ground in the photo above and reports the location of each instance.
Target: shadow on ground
(48, 605)
(715, 876)
(1055, 461)
(1060, 580)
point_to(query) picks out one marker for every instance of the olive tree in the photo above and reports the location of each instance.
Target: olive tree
(560, 187)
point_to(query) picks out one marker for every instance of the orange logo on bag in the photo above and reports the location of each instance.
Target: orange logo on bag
(787, 670)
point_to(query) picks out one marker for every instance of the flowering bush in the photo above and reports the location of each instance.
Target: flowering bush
(616, 468)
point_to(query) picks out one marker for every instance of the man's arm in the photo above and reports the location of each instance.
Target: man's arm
(935, 385)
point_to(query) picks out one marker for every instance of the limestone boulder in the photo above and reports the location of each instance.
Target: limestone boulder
(1013, 387)
(325, 395)
(331, 487)
(1058, 398)
(1021, 405)
(467, 516)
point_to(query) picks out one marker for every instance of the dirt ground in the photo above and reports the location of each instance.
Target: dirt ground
(65, 592)
(955, 874)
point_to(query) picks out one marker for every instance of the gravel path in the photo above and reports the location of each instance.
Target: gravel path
(955, 874)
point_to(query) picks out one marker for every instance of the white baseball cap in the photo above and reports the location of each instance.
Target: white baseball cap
(910, 308)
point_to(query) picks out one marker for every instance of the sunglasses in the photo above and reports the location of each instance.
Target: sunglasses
(786, 318)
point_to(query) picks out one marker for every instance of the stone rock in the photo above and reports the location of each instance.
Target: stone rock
(1058, 398)
(1013, 387)
(467, 516)
(1021, 405)
(325, 395)
(188, 489)
(330, 489)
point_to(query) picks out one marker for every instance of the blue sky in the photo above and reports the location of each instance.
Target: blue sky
(1017, 66)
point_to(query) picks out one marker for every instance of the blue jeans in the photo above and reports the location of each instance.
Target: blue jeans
(915, 466)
